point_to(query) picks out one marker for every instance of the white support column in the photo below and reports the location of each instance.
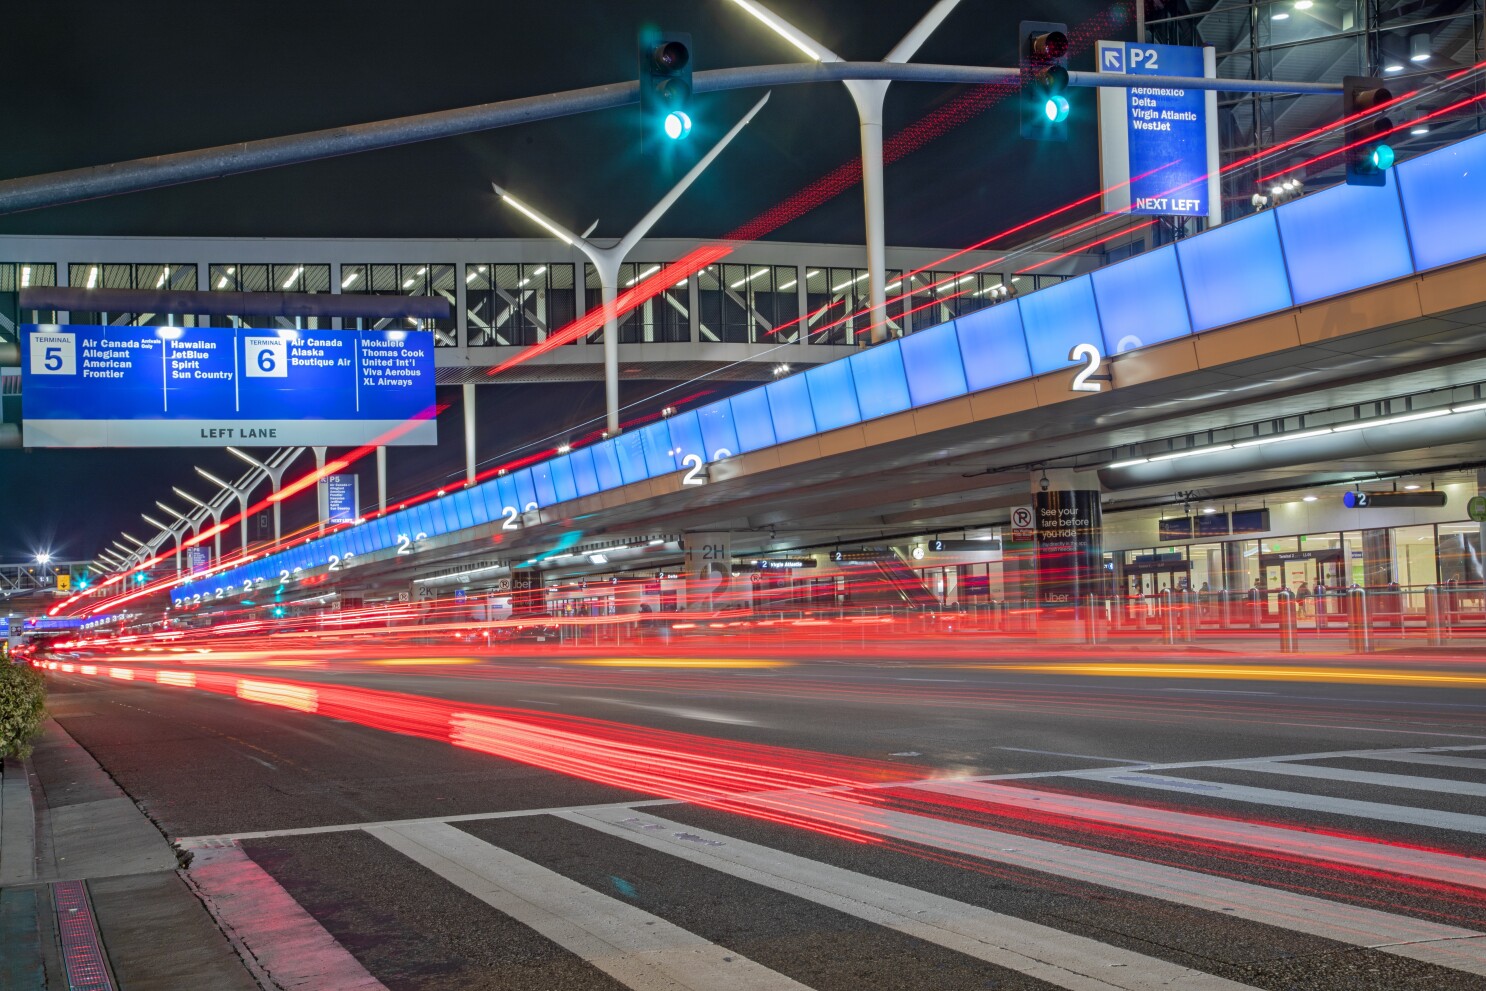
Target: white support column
(606, 261)
(382, 480)
(320, 488)
(868, 96)
(467, 393)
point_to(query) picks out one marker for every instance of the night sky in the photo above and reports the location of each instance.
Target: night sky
(88, 84)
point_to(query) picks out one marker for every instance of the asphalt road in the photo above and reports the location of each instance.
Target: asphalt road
(1321, 833)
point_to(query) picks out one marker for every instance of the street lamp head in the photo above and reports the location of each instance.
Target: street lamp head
(43, 557)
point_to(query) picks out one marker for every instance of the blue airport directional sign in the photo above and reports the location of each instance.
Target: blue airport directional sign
(1155, 137)
(86, 386)
(341, 504)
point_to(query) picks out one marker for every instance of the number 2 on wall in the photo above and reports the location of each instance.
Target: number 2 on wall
(1089, 354)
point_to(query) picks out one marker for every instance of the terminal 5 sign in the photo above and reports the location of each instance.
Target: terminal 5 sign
(86, 386)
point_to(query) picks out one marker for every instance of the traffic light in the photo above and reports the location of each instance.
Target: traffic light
(1369, 156)
(1043, 57)
(665, 87)
(140, 577)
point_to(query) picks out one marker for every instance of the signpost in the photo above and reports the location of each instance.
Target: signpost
(198, 558)
(85, 386)
(1159, 146)
(339, 499)
(1023, 524)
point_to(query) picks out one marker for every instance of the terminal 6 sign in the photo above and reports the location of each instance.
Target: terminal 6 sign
(85, 386)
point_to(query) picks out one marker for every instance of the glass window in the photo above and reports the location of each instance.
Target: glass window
(744, 304)
(15, 276)
(413, 279)
(665, 317)
(89, 275)
(285, 277)
(517, 304)
(838, 306)
(937, 297)
(1460, 552)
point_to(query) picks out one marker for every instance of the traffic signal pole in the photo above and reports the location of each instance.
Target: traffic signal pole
(76, 185)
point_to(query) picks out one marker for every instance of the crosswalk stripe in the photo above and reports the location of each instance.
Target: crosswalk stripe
(1361, 853)
(1059, 958)
(636, 948)
(1443, 786)
(1434, 760)
(1404, 814)
(1449, 946)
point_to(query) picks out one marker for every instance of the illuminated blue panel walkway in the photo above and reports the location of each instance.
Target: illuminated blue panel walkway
(1432, 213)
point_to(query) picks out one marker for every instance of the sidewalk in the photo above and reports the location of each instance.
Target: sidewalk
(89, 885)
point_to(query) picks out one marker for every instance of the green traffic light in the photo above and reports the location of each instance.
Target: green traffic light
(677, 125)
(1056, 109)
(1381, 158)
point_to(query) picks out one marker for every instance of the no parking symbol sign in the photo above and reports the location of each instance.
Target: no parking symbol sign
(1023, 525)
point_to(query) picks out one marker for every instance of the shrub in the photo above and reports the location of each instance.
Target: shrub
(22, 708)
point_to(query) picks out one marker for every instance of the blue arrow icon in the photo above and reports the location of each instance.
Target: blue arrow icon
(1114, 60)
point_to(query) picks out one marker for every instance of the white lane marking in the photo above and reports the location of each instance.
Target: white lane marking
(227, 839)
(1433, 760)
(1448, 946)
(270, 931)
(1059, 753)
(1403, 814)
(538, 702)
(636, 948)
(1059, 958)
(1440, 786)
(680, 712)
(1464, 871)
(1214, 691)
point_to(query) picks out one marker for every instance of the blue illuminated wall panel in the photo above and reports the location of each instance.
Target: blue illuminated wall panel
(656, 439)
(1444, 199)
(881, 383)
(1057, 318)
(606, 465)
(1344, 238)
(833, 395)
(932, 362)
(718, 432)
(525, 490)
(631, 451)
(752, 420)
(584, 475)
(993, 348)
(789, 408)
(562, 478)
(509, 497)
(463, 509)
(686, 435)
(1234, 272)
(1141, 301)
(541, 477)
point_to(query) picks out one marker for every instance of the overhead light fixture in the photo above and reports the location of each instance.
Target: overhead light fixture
(522, 209)
(564, 448)
(1209, 510)
(293, 278)
(1280, 15)
(346, 282)
(1469, 408)
(779, 27)
(1283, 438)
(1419, 129)
(1389, 421)
(1411, 488)
(1192, 453)
(789, 285)
(643, 275)
(25, 276)
(1304, 4)
(92, 277)
(1309, 498)
(164, 274)
(538, 271)
(850, 282)
(1419, 47)
(1127, 464)
(1393, 67)
(598, 559)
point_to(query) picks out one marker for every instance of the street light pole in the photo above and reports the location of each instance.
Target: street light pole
(215, 512)
(868, 95)
(606, 261)
(274, 468)
(242, 491)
